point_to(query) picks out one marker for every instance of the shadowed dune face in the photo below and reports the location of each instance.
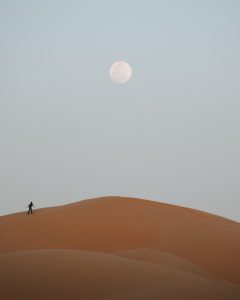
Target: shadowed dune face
(165, 259)
(116, 248)
(69, 274)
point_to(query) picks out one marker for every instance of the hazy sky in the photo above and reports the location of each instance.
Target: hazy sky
(170, 134)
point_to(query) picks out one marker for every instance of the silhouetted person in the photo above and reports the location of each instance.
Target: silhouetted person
(30, 206)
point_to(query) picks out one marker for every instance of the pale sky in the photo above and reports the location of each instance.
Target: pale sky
(170, 134)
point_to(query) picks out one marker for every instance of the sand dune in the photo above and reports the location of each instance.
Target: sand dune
(76, 274)
(165, 259)
(119, 248)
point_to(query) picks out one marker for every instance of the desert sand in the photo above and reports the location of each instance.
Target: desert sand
(117, 248)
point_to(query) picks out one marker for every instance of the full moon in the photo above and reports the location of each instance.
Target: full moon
(120, 72)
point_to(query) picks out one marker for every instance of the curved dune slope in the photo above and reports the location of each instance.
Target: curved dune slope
(165, 259)
(76, 274)
(117, 224)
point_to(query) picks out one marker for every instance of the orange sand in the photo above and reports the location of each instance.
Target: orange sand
(117, 248)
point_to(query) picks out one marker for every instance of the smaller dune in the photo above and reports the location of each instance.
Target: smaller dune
(76, 274)
(165, 259)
